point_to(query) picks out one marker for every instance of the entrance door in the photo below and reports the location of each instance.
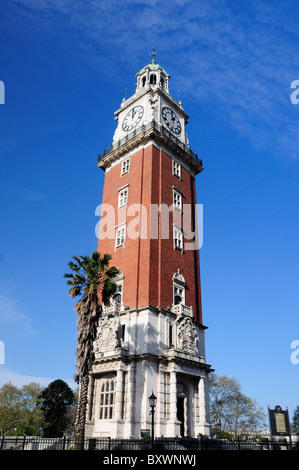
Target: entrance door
(181, 413)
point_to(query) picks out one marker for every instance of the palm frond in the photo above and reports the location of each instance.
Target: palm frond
(92, 279)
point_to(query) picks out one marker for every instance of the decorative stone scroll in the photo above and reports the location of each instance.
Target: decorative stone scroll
(187, 336)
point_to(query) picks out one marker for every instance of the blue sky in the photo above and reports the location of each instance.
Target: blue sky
(66, 67)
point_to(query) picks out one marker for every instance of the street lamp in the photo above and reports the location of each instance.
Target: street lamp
(152, 402)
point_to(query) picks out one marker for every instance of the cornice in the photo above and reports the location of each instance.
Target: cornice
(143, 134)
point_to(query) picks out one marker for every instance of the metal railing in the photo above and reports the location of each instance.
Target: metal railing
(161, 444)
(143, 129)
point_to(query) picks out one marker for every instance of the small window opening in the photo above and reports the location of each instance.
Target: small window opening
(153, 79)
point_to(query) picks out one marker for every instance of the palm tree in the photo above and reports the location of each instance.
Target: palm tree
(94, 281)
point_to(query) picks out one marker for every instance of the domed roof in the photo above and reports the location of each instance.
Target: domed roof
(153, 66)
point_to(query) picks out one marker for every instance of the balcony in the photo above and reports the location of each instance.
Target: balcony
(113, 308)
(181, 309)
(150, 130)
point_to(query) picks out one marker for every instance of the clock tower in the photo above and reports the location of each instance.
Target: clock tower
(151, 336)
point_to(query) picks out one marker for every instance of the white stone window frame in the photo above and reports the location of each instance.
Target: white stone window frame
(125, 166)
(118, 293)
(120, 235)
(119, 281)
(107, 390)
(177, 199)
(178, 290)
(179, 283)
(123, 194)
(176, 168)
(178, 238)
(171, 335)
(122, 334)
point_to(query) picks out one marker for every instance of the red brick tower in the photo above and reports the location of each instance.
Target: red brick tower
(151, 337)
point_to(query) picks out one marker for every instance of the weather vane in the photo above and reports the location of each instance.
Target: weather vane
(153, 54)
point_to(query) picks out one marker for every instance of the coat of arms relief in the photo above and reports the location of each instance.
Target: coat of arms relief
(107, 334)
(187, 336)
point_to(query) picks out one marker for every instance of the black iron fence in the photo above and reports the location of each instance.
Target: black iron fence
(161, 444)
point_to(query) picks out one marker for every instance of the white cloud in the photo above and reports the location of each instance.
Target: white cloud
(237, 57)
(7, 375)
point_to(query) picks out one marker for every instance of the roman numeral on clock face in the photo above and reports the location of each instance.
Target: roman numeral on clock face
(133, 118)
(171, 120)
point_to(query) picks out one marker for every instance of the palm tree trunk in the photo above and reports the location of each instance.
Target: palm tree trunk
(81, 413)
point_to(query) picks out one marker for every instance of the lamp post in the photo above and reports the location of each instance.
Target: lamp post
(152, 402)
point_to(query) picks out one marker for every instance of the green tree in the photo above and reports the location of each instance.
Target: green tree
(10, 408)
(295, 423)
(19, 410)
(94, 282)
(72, 414)
(30, 410)
(231, 411)
(55, 401)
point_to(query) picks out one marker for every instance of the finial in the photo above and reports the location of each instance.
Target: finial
(153, 54)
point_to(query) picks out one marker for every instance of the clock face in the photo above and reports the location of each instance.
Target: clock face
(132, 118)
(171, 120)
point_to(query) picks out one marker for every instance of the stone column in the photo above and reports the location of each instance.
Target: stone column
(201, 400)
(119, 395)
(167, 84)
(173, 425)
(130, 416)
(160, 409)
(159, 77)
(203, 395)
(172, 396)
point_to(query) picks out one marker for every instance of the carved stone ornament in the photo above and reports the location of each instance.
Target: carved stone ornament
(107, 335)
(187, 336)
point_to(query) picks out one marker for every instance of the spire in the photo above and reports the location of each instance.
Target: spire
(153, 54)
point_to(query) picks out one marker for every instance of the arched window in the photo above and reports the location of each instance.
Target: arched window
(179, 286)
(178, 295)
(143, 81)
(107, 397)
(118, 296)
(153, 79)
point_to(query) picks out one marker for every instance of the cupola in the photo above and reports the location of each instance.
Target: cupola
(153, 75)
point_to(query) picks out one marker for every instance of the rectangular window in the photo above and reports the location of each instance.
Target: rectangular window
(123, 198)
(178, 238)
(120, 236)
(107, 396)
(176, 168)
(125, 166)
(177, 200)
(170, 335)
(118, 295)
(121, 334)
